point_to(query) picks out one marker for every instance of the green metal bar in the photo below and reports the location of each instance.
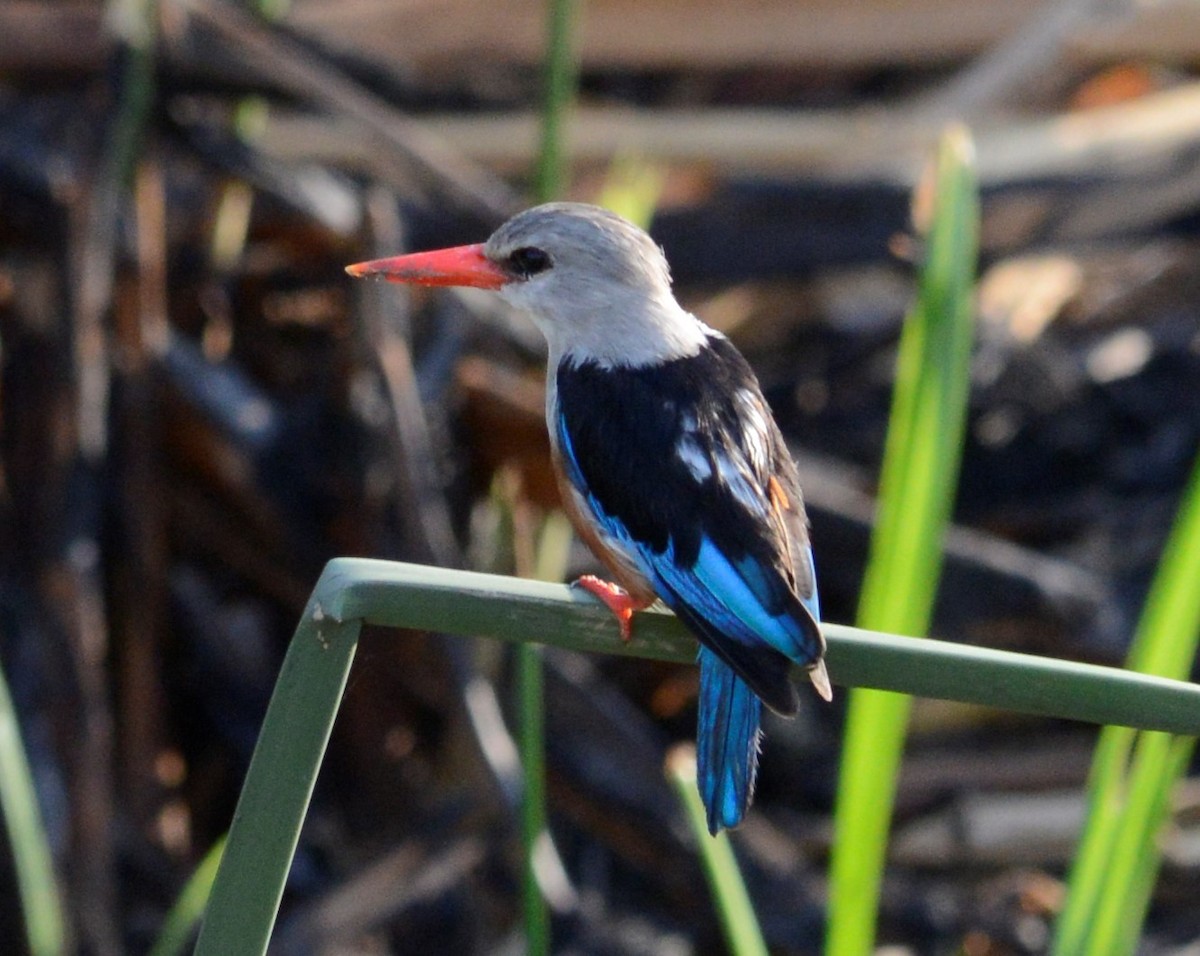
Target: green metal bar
(279, 783)
(484, 605)
(354, 591)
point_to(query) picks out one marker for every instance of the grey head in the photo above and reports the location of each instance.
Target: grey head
(595, 284)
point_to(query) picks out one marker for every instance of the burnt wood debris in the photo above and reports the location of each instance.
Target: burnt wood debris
(198, 409)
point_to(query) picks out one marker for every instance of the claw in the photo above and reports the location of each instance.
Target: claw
(616, 599)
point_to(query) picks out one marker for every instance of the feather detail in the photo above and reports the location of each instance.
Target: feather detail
(763, 670)
(710, 596)
(727, 738)
(679, 479)
(612, 554)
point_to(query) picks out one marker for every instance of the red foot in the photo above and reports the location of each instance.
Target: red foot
(616, 599)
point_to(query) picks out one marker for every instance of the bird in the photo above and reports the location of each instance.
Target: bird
(670, 464)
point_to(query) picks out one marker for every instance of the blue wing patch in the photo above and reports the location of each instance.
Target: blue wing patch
(681, 469)
(736, 595)
(731, 597)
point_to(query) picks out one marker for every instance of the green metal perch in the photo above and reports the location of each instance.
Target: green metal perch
(353, 591)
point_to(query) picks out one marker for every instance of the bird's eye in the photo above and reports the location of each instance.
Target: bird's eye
(529, 261)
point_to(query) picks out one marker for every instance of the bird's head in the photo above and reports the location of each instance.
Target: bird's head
(595, 284)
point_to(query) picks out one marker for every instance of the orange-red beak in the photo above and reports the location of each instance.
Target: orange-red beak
(460, 265)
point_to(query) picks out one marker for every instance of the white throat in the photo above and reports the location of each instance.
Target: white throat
(623, 328)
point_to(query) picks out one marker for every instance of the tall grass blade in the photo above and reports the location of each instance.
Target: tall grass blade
(561, 78)
(184, 916)
(41, 907)
(742, 932)
(1113, 873)
(920, 471)
(531, 744)
(552, 555)
(632, 189)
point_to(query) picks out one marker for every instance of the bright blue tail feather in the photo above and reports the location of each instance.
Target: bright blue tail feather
(726, 742)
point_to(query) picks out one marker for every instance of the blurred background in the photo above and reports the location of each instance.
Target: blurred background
(198, 409)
